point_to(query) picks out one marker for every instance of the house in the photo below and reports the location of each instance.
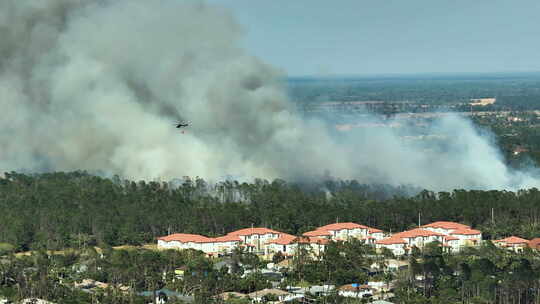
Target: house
(186, 241)
(355, 291)
(467, 236)
(444, 227)
(513, 243)
(262, 295)
(458, 235)
(402, 241)
(314, 245)
(395, 244)
(284, 244)
(345, 231)
(452, 243)
(257, 237)
(419, 237)
(288, 245)
(251, 238)
(227, 243)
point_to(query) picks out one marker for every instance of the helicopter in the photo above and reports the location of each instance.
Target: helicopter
(181, 125)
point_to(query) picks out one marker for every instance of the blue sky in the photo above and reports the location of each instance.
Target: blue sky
(359, 37)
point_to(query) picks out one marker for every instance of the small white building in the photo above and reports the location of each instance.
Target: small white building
(355, 291)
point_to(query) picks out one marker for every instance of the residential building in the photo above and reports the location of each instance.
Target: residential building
(395, 244)
(355, 291)
(187, 241)
(257, 237)
(254, 239)
(288, 245)
(346, 231)
(513, 243)
(444, 227)
(401, 242)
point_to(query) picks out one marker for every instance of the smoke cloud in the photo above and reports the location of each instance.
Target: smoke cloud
(98, 85)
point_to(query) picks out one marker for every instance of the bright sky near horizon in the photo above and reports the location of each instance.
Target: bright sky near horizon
(323, 37)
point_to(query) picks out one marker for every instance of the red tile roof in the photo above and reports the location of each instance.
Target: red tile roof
(283, 239)
(340, 226)
(186, 238)
(227, 238)
(512, 240)
(310, 240)
(417, 232)
(446, 225)
(251, 231)
(317, 232)
(374, 230)
(391, 240)
(318, 240)
(466, 231)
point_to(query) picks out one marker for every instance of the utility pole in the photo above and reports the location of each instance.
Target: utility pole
(418, 219)
(492, 216)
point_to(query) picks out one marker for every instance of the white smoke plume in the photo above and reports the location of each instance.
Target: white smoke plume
(98, 85)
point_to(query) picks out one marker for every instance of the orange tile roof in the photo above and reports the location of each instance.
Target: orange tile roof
(340, 226)
(227, 238)
(446, 225)
(374, 230)
(318, 240)
(317, 232)
(310, 240)
(417, 232)
(283, 239)
(466, 231)
(186, 238)
(512, 240)
(391, 240)
(251, 231)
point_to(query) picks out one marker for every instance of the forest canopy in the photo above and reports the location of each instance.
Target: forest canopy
(74, 209)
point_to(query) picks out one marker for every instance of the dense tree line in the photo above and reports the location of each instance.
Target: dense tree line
(62, 210)
(514, 92)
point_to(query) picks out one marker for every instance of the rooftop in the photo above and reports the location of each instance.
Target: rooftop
(317, 232)
(251, 231)
(417, 232)
(512, 240)
(446, 225)
(466, 231)
(186, 238)
(391, 240)
(340, 226)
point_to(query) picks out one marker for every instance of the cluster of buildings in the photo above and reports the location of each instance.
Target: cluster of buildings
(452, 236)
(268, 242)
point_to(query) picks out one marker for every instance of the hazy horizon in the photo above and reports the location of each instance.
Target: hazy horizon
(314, 38)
